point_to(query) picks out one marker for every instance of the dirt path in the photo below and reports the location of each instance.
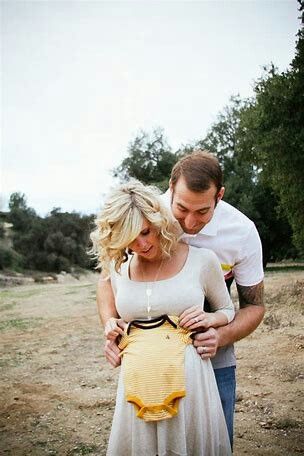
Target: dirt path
(57, 391)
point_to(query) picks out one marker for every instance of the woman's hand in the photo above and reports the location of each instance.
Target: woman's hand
(195, 318)
(114, 327)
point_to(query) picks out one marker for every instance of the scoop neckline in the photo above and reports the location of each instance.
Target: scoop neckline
(127, 275)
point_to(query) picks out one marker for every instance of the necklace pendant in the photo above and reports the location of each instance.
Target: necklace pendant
(149, 292)
(148, 310)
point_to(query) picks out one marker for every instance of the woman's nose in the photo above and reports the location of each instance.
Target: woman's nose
(141, 242)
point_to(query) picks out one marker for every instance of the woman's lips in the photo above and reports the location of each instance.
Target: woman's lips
(146, 251)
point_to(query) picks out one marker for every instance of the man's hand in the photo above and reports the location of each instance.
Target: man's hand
(112, 352)
(206, 343)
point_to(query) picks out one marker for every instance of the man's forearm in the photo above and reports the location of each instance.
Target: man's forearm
(244, 323)
(248, 318)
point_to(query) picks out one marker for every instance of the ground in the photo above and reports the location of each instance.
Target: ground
(58, 391)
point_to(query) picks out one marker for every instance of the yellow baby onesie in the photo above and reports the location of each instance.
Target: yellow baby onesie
(153, 366)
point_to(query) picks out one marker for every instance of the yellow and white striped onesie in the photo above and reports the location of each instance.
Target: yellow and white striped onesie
(153, 364)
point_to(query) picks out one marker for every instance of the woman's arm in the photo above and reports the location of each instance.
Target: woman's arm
(213, 283)
(108, 314)
(105, 300)
(110, 319)
(215, 290)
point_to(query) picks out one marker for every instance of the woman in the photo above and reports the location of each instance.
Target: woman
(153, 275)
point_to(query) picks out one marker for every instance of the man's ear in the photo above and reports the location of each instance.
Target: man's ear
(171, 185)
(220, 194)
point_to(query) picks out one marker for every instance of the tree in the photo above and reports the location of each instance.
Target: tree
(245, 186)
(57, 242)
(149, 160)
(17, 201)
(223, 140)
(273, 137)
(20, 215)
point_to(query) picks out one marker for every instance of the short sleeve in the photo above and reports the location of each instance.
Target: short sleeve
(248, 270)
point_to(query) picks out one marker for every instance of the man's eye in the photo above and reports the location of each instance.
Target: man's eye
(145, 232)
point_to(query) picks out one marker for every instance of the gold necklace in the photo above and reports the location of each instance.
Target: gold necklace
(149, 289)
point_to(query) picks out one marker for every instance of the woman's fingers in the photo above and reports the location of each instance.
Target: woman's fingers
(114, 328)
(112, 335)
(192, 318)
(188, 312)
(122, 325)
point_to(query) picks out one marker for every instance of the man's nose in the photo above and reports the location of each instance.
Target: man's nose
(190, 221)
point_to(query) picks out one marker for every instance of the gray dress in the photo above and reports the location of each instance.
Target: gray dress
(199, 428)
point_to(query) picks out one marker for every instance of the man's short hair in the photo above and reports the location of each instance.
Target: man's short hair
(200, 169)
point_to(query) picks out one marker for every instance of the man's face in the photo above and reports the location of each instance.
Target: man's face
(193, 210)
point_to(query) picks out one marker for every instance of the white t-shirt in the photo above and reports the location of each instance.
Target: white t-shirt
(236, 242)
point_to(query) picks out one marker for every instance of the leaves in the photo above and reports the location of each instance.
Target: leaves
(149, 159)
(54, 243)
(273, 138)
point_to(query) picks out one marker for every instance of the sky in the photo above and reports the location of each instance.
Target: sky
(79, 80)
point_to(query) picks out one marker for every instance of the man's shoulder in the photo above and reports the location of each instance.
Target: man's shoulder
(201, 252)
(228, 219)
(228, 227)
(225, 212)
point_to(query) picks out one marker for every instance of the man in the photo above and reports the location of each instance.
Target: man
(195, 197)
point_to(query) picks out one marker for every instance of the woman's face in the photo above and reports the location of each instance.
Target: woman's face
(147, 243)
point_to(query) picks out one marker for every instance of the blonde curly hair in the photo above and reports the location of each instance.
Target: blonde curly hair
(120, 222)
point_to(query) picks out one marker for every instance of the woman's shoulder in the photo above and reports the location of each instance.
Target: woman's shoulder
(123, 270)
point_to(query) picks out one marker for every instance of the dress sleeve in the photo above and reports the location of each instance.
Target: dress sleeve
(213, 284)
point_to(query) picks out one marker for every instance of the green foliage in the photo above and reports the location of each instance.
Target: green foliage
(245, 187)
(9, 259)
(273, 138)
(54, 243)
(149, 160)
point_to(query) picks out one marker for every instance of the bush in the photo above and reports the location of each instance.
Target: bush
(10, 259)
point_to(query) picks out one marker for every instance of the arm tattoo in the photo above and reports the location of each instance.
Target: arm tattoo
(251, 296)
